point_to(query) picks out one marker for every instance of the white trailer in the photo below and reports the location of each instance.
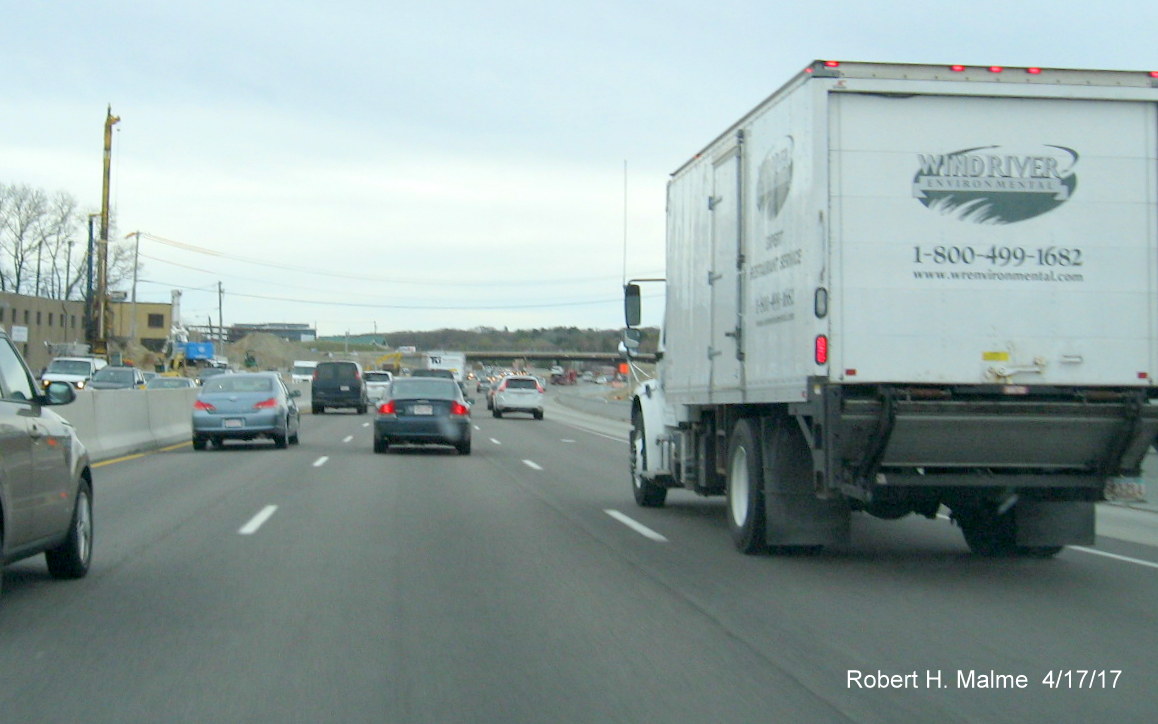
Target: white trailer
(455, 362)
(892, 288)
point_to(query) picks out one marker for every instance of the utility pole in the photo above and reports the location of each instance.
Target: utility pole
(103, 311)
(90, 326)
(136, 258)
(220, 319)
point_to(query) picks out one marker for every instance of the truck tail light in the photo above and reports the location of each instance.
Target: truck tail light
(820, 349)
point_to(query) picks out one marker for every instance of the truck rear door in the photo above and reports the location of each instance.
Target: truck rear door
(982, 239)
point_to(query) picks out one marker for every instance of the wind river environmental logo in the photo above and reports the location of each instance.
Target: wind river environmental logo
(989, 185)
(774, 179)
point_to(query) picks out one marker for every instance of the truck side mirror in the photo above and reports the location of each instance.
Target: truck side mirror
(631, 340)
(631, 304)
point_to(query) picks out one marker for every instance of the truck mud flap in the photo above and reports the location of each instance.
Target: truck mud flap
(794, 515)
(1049, 523)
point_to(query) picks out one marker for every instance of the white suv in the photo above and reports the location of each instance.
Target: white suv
(518, 393)
(377, 382)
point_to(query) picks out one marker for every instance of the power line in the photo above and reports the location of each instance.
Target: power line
(340, 275)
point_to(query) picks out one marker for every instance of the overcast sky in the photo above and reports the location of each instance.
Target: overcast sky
(387, 165)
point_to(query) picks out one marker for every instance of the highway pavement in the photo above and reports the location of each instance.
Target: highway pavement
(521, 584)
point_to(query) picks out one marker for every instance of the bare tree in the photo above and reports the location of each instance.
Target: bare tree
(43, 245)
(23, 209)
(57, 269)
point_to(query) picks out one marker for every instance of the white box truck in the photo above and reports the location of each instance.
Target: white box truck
(454, 362)
(892, 288)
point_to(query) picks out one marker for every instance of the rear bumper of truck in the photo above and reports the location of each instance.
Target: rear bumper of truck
(978, 437)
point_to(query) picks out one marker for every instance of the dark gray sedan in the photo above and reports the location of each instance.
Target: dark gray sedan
(423, 411)
(117, 378)
(246, 406)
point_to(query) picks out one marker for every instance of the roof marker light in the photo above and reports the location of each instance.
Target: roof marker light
(957, 68)
(1033, 71)
(995, 69)
(1154, 74)
(832, 63)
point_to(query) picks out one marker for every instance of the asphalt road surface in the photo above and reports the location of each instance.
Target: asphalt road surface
(521, 584)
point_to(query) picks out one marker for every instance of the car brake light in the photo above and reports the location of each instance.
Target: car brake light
(203, 405)
(539, 388)
(266, 404)
(387, 408)
(459, 409)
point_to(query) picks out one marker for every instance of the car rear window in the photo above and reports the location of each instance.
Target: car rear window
(239, 383)
(336, 371)
(422, 387)
(377, 376)
(521, 384)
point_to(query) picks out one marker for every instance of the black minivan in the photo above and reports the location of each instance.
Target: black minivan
(338, 384)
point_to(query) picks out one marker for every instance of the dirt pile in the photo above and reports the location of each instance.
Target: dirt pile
(270, 352)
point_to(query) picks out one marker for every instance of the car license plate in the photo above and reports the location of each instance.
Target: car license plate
(233, 422)
(344, 388)
(422, 410)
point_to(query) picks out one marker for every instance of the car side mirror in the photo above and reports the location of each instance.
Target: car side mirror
(59, 393)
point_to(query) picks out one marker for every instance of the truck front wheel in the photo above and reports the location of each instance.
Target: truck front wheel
(746, 514)
(647, 493)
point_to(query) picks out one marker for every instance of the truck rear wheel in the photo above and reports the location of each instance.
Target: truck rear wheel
(647, 493)
(989, 534)
(746, 515)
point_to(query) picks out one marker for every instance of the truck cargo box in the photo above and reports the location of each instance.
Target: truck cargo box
(920, 231)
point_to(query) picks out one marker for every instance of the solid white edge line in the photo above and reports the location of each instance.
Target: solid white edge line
(258, 520)
(1091, 551)
(638, 527)
(1115, 556)
(321, 461)
(532, 464)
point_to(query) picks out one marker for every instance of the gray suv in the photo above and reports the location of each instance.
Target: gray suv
(45, 474)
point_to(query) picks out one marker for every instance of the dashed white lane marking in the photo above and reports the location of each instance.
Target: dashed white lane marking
(635, 525)
(258, 520)
(321, 461)
(348, 438)
(566, 440)
(496, 442)
(532, 465)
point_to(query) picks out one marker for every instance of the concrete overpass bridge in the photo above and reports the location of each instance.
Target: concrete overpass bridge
(562, 358)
